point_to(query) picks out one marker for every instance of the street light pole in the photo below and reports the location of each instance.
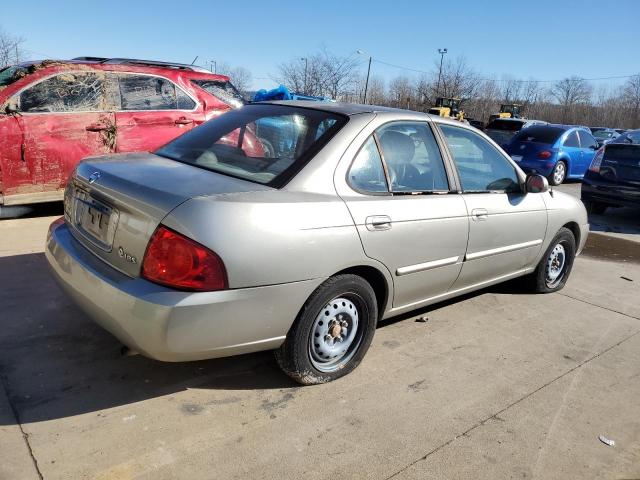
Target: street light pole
(441, 51)
(214, 64)
(306, 63)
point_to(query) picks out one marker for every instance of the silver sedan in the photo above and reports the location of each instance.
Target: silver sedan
(298, 226)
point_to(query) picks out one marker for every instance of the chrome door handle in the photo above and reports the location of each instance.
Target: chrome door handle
(378, 222)
(480, 214)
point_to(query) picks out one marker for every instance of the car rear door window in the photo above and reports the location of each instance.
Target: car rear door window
(481, 167)
(412, 157)
(367, 173)
(65, 92)
(586, 140)
(147, 92)
(572, 140)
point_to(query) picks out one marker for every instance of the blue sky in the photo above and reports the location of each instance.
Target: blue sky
(528, 39)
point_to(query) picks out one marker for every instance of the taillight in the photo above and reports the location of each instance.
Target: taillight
(597, 161)
(176, 261)
(544, 154)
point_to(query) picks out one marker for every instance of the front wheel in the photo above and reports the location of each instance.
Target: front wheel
(332, 332)
(558, 174)
(554, 268)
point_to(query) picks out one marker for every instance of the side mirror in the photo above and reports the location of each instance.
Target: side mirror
(536, 184)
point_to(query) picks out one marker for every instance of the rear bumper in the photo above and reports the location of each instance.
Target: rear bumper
(170, 325)
(609, 193)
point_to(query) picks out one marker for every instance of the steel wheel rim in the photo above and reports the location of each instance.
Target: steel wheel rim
(558, 173)
(556, 265)
(336, 333)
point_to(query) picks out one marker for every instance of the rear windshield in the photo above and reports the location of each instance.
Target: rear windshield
(224, 91)
(262, 143)
(505, 125)
(604, 134)
(539, 134)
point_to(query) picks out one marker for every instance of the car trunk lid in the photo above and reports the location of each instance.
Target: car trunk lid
(114, 204)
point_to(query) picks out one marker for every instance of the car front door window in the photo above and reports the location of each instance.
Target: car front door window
(65, 92)
(481, 167)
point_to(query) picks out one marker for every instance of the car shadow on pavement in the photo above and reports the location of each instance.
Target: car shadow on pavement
(55, 362)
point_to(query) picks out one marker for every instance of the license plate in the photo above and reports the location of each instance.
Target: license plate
(95, 219)
(517, 158)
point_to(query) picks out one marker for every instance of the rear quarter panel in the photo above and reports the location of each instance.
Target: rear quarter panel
(273, 237)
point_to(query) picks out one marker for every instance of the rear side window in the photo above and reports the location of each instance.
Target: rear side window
(223, 91)
(539, 134)
(146, 92)
(66, 92)
(587, 140)
(366, 173)
(480, 166)
(571, 140)
(412, 157)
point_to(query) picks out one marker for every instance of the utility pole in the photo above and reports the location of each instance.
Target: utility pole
(366, 83)
(213, 66)
(17, 55)
(306, 64)
(441, 51)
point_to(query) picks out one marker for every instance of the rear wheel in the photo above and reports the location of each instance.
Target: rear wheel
(596, 208)
(332, 332)
(559, 173)
(554, 268)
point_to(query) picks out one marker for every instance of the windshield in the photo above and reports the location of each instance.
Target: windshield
(224, 91)
(603, 134)
(632, 136)
(539, 134)
(11, 74)
(260, 143)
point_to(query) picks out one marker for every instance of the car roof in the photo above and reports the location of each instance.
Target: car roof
(339, 107)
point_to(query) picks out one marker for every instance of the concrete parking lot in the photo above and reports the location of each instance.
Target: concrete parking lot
(498, 384)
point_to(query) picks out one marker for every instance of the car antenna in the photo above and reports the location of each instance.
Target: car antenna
(194, 60)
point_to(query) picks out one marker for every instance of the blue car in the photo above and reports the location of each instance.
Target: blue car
(555, 151)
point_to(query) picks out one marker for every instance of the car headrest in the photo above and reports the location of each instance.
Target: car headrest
(397, 147)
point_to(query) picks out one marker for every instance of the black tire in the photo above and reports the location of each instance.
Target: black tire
(540, 280)
(595, 208)
(296, 355)
(553, 177)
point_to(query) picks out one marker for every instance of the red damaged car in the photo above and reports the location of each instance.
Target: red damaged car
(55, 113)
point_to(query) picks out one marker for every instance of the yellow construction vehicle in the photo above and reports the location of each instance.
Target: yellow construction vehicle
(508, 110)
(448, 107)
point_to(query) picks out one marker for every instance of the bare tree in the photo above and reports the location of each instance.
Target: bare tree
(322, 74)
(631, 96)
(11, 51)
(240, 76)
(570, 92)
